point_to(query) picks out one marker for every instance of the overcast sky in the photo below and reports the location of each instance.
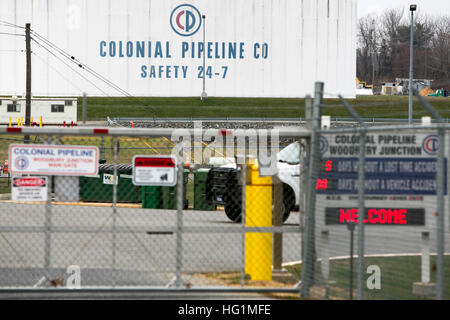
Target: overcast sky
(435, 7)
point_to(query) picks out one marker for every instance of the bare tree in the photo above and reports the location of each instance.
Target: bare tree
(368, 43)
(390, 22)
(383, 47)
(439, 61)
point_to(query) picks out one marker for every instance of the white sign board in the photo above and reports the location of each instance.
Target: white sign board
(29, 189)
(154, 171)
(400, 178)
(56, 160)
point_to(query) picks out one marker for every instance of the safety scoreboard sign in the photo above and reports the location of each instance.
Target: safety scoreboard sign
(55, 160)
(400, 177)
(403, 164)
(29, 188)
(154, 171)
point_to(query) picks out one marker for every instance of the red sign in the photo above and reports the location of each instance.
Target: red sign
(154, 162)
(29, 182)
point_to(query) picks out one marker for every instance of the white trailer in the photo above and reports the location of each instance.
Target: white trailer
(54, 111)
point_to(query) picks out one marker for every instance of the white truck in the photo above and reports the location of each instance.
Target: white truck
(224, 187)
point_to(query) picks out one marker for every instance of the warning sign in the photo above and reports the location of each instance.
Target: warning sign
(154, 171)
(29, 189)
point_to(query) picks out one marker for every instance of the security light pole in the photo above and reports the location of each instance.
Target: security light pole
(204, 96)
(412, 8)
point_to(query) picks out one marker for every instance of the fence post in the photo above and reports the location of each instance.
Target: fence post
(48, 222)
(303, 201)
(361, 190)
(309, 256)
(83, 114)
(425, 273)
(244, 183)
(440, 175)
(361, 211)
(179, 244)
(325, 260)
(440, 181)
(114, 222)
(277, 216)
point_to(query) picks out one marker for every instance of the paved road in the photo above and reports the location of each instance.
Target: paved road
(145, 250)
(145, 244)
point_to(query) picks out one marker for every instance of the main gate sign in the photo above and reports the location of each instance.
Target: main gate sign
(54, 160)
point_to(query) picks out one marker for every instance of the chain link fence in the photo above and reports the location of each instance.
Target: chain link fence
(356, 212)
(74, 218)
(377, 222)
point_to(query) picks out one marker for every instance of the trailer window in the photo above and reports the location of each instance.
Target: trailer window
(57, 108)
(13, 108)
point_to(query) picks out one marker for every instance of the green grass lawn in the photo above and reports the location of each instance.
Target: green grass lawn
(397, 277)
(367, 106)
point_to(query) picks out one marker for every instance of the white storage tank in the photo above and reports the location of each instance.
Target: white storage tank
(253, 48)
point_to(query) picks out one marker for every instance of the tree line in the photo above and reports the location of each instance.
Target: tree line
(384, 47)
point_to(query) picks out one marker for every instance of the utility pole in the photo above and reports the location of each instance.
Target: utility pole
(204, 96)
(412, 8)
(28, 80)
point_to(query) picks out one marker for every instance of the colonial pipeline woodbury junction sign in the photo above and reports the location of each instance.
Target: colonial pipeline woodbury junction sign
(57, 160)
(400, 178)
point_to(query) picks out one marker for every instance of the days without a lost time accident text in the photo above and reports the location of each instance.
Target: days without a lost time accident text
(213, 311)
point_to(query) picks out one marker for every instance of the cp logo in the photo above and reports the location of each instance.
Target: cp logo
(21, 163)
(185, 20)
(430, 144)
(323, 145)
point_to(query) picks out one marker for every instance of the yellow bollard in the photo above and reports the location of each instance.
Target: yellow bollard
(20, 122)
(258, 213)
(10, 122)
(40, 122)
(31, 121)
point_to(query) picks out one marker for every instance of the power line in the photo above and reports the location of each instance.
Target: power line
(81, 65)
(70, 67)
(12, 34)
(9, 24)
(55, 70)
